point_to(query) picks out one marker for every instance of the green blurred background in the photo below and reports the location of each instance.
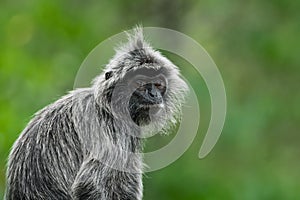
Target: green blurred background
(255, 44)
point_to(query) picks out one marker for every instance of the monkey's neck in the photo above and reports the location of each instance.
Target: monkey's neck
(122, 133)
(128, 136)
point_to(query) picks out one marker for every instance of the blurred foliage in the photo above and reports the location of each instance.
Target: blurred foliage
(254, 43)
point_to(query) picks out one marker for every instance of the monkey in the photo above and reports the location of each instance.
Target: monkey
(88, 144)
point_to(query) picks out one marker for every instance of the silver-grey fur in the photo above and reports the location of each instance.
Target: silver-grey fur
(83, 146)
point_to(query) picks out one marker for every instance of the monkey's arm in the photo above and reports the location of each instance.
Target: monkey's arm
(96, 180)
(87, 184)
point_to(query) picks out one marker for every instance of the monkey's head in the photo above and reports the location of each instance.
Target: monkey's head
(140, 86)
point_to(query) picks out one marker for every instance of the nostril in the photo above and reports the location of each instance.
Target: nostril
(153, 93)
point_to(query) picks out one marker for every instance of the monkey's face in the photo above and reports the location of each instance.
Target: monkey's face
(142, 89)
(147, 99)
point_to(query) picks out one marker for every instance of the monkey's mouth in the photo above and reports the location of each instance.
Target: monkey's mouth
(145, 113)
(152, 108)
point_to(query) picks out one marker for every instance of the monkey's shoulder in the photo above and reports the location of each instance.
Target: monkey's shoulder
(57, 119)
(73, 100)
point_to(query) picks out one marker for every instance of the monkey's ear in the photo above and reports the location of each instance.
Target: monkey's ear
(108, 75)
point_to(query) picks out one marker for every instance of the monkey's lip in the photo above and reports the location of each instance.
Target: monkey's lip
(157, 106)
(153, 108)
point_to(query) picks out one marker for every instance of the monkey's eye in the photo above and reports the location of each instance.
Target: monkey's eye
(140, 85)
(160, 85)
(141, 88)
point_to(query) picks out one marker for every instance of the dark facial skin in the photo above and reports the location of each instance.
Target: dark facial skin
(147, 98)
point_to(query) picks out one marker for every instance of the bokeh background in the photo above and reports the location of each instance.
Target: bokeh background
(255, 44)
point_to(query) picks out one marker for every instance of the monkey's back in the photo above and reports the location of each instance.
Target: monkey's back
(47, 155)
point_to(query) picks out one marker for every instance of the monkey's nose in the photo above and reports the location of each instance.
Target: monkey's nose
(153, 92)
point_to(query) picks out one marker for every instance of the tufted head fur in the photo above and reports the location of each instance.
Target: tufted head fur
(111, 87)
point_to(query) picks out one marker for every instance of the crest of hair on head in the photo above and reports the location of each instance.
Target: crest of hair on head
(136, 41)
